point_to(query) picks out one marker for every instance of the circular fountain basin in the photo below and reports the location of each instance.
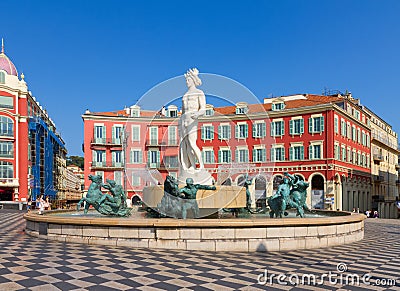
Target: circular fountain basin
(258, 233)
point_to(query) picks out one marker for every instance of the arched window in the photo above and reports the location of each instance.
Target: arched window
(6, 170)
(6, 126)
(2, 77)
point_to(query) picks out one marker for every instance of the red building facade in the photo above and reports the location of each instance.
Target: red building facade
(325, 140)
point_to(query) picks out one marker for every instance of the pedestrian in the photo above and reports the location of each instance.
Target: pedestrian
(41, 205)
(376, 214)
(368, 213)
(28, 206)
(47, 205)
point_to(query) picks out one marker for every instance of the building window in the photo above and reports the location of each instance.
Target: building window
(116, 158)
(358, 135)
(209, 112)
(224, 156)
(224, 132)
(99, 134)
(172, 111)
(117, 133)
(6, 149)
(349, 155)
(353, 133)
(315, 151)
(344, 158)
(343, 128)
(242, 131)
(277, 106)
(153, 135)
(135, 180)
(337, 152)
(363, 139)
(6, 170)
(259, 130)
(336, 124)
(207, 132)
(136, 156)
(99, 158)
(6, 102)
(359, 162)
(6, 126)
(171, 161)
(153, 159)
(354, 157)
(316, 124)
(172, 140)
(208, 156)
(118, 177)
(296, 153)
(241, 108)
(2, 77)
(259, 155)
(277, 128)
(242, 155)
(277, 154)
(135, 132)
(296, 126)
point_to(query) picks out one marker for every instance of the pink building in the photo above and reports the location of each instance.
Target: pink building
(325, 140)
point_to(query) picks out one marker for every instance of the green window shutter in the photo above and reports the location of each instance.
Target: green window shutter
(264, 129)
(264, 153)
(203, 133)
(273, 154)
(158, 158)
(229, 132)
(302, 126)
(237, 131)
(254, 155)
(282, 128)
(321, 120)
(290, 126)
(283, 154)
(246, 131)
(113, 157)
(212, 157)
(140, 157)
(219, 132)
(336, 125)
(212, 132)
(310, 125)
(254, 129)
(273, 107)
(131, 157)
(103, 129)
(94, 158)
(203, 156)
(246, 156)
(148, 158)
(302, 153)
(272, 128)
(113, 138)
(291, 154)
(219, 156)
(103, 157)
(229, 156)
(310, 152)
(236, 155)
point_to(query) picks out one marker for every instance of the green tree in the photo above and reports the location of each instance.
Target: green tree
(75, 160)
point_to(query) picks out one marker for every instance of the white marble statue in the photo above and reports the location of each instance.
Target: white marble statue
(193, 106)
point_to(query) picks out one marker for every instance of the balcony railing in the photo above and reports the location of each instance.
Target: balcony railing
(107, 165)
(9, 182)
(107, 141)
(6, 154)
(378, 178)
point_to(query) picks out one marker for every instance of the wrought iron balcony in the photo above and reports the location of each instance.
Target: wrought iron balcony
(108, 164)
(106, 141)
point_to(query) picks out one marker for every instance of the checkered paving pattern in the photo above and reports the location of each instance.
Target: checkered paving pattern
(28, 263)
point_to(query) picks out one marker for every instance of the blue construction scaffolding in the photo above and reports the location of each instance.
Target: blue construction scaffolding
(45, 147)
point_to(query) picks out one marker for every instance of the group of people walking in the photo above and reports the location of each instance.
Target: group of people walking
(41, 204)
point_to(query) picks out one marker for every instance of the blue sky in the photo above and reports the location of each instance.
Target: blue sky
(103, 55)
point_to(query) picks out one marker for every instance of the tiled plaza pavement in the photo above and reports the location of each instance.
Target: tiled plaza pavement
(34, 264)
